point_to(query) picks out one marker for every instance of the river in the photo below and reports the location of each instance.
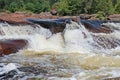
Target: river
(73, 54)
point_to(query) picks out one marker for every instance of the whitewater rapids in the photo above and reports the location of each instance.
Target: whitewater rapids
(70, 55)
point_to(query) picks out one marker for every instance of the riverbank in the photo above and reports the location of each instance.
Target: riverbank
(20, 18)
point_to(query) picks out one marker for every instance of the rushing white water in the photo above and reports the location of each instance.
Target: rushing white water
(74, 54)
(7, 68)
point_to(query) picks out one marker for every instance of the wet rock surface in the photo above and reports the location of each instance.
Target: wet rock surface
(106, 43)
(55, 25)
(58, 25)
(96, 26)
(11, 46)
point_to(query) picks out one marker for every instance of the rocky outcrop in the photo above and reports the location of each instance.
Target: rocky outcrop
(11, 46)
(103, 29)
(14, 18)
(96, 26)
(115, 17)
(106, 42)
(55, 25)
(20, 18)
(58, 25)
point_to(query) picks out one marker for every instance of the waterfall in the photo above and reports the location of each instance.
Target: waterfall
(74, 38)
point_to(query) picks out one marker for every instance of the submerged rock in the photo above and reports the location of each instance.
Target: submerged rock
(11, 46)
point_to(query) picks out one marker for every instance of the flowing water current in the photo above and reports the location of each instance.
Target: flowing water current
(73, 54)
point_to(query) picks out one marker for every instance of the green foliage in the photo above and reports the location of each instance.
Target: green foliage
(101, 15)
(43, 6)
(105, 6)
(68, 7)
(117, 6)
(64, 7)
(30, 6)
(13, 7)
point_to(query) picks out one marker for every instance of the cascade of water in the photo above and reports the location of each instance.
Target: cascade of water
(17, 30)
(74, 38)
(42, 31)
(77, 38)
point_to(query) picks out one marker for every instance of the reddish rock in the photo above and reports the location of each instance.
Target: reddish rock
(20, 18)
(11, 46)
(16, 18)
(115, 17)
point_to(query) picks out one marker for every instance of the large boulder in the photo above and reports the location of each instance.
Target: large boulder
(11, 46)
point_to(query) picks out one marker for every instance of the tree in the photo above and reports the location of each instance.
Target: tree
(21, 5)
(64, 7)
(13, 7)
(105, 6)
(30, 6)
(68, 7)
(2, 4)
(43, 6)
(117, 6)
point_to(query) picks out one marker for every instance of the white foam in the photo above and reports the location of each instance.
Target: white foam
(40, 43)
(7, 68)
